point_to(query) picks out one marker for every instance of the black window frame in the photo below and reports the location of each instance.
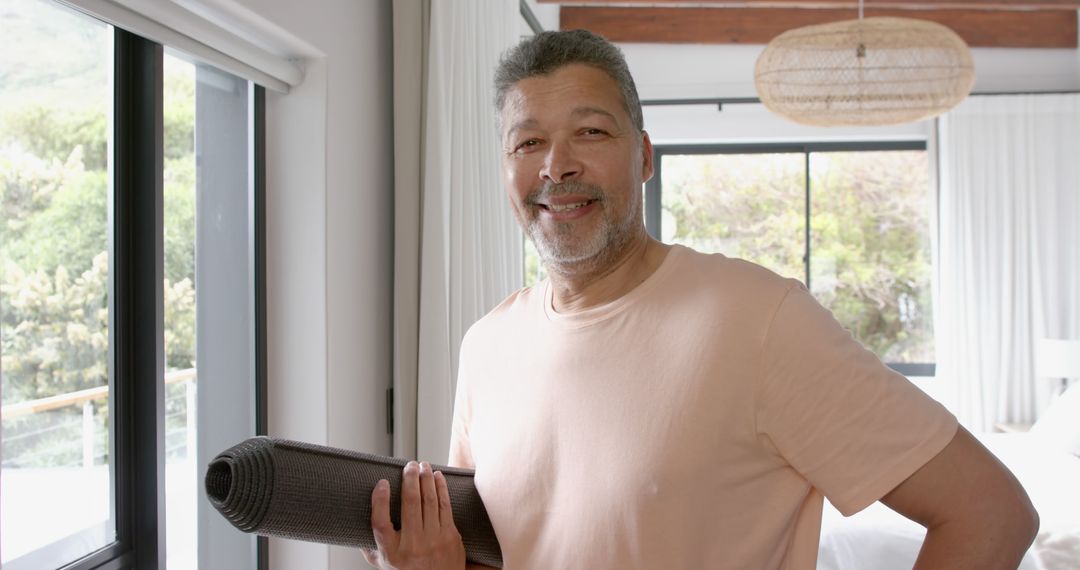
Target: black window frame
(654, 205)
(137, 320)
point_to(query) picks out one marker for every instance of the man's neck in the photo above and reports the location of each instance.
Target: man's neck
(580, 287)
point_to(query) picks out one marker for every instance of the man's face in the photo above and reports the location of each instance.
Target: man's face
(574, 164)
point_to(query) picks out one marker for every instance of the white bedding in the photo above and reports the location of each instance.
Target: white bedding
(879, 539)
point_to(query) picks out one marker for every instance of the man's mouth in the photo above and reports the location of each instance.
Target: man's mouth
(565, 207)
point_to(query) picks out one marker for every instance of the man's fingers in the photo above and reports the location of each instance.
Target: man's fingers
(411, 516)
(430, 497)
(446, 512)
(427, 523)
(381, 525)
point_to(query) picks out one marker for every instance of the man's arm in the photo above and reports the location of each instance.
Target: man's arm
(975, 511)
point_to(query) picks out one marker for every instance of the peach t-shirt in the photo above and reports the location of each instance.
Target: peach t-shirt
(695, 422)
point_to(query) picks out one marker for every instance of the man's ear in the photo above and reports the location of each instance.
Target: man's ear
(646, 157)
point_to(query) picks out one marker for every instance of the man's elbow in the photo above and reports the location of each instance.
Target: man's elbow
(1012, 521)
(993, 532)
(976, 512)
(1026, 519)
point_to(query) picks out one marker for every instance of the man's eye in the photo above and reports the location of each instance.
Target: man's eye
(527, 144)
(591, 131)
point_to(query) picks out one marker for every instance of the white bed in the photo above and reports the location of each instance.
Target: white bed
(1045, 460)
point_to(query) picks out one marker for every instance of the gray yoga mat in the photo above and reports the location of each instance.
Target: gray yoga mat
(289, 489)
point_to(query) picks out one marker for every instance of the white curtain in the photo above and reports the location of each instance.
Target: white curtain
(457, 247)
(1008, 264)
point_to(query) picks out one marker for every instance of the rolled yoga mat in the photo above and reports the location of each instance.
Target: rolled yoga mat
(288, 489)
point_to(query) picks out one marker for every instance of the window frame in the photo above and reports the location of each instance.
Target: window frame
(653, 200)
(137, 350)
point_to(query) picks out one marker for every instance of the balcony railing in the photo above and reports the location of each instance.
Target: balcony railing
(43, 474)
(89, 422)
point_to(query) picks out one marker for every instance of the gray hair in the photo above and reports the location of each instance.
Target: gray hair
(546, 52)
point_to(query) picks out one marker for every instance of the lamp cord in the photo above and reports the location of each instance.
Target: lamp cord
(860, 50)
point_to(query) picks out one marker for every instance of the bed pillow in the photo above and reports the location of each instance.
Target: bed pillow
(1059, 425)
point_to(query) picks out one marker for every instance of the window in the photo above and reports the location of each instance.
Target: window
(850, 221)
(131, 303)
(55, 492)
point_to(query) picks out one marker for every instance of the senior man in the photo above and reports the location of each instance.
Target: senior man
(649, 406)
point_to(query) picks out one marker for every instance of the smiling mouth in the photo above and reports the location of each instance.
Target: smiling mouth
(565, 207)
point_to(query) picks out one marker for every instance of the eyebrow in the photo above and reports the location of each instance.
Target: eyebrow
(526, 124)
(577, 112)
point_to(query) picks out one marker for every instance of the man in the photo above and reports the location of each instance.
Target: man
(653, 407)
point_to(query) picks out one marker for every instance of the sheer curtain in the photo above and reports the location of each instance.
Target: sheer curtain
(1008, 250)
(457, 247)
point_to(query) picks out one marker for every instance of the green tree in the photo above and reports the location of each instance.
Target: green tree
(870, 239)
(56, 214)
(56, 330)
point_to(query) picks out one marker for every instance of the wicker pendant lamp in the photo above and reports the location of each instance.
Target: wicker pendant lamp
(872, 71)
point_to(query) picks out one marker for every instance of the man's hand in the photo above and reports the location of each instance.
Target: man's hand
(428, 539)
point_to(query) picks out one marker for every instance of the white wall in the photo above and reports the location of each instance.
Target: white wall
(329, 237)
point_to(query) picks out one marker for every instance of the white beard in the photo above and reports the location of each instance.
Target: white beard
(563, 249)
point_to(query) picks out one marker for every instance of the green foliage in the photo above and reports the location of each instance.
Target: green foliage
(870, 234)
(534, 268)
(54, 236)
(179, 220)
(56, 214)
(747, 206)
(179, 111)
(52, 134)
(180, 324)
(56, 330)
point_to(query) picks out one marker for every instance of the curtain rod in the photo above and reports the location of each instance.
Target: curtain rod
(721, 101)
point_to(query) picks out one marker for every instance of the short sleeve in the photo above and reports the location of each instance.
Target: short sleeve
(460, 450)
(854, 428)
(460, 446)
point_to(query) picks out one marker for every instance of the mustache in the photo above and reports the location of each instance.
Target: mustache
(572, 187)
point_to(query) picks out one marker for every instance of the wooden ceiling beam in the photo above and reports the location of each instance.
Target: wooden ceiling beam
(1009, 5)
(1037, 29)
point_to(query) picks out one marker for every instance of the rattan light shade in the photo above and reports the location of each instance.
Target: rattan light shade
(871, 71)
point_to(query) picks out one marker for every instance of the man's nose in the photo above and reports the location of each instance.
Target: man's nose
(560, 164)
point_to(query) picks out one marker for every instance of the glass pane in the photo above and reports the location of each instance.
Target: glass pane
(209, 303)
(870, 248)
(55, 100)
(750, 206)
(180, 325)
